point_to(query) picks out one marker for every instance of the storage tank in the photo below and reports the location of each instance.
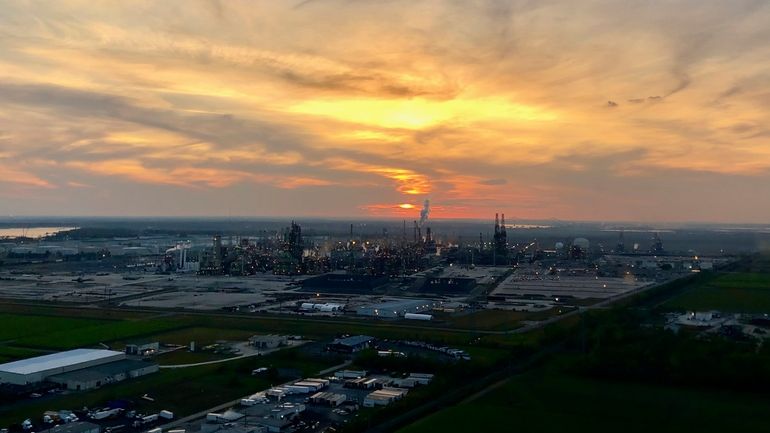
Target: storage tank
(415, 316)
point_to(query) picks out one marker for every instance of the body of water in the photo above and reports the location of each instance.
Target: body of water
(32, 232)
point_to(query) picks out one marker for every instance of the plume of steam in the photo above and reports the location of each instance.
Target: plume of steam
(425, 212)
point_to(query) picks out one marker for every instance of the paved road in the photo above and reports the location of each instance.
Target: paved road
(246, 355)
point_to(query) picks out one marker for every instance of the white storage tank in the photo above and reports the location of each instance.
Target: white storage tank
(415, 316)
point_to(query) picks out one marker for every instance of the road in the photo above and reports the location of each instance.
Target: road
(246, 355)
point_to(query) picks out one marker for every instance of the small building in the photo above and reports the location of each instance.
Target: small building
(385, 396)
(224, 417)
(313, 385)
(363, 383)
(77, 427)
(352, 344)
(413, 380)
(421, 378)
(268, 341)
(321, 383)
(349, 374)
(324, 308)
(328, 398)
(280, 417)
(146, 348)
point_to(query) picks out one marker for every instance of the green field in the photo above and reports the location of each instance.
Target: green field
(495, 320)
(184, 356)
(16, 326)
(203, 336)
(11, 353)
(544, 401)
(100, 333)
(742, 292)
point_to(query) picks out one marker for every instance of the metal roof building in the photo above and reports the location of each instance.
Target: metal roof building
(34, 370)
(350, 344)
(96, 376)
(76, 427)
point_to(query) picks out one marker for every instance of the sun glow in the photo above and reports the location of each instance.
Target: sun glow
(418, 113)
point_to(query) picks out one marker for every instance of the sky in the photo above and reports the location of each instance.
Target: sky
(575, 110)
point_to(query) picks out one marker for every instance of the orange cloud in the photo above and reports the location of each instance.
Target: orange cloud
(428, 101)
(407, 181)
(178, 176)
(22, 178)
(298, 182)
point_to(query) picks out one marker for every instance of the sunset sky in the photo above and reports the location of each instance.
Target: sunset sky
(589, 110)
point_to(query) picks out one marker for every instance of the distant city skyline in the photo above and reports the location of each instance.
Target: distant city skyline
(590, 110)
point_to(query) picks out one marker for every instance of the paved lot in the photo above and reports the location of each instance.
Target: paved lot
(581, 287)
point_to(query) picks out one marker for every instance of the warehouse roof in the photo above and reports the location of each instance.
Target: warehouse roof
(76, 427)
(100, 372)
(354, 340)
(56, 360)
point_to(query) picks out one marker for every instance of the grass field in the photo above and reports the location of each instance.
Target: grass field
(184, 356)
(99, 333)
(741, 292)
(11, 353)
(488, 320)
(496, 320)
(203, 336)
(16, 326)
(543, 401)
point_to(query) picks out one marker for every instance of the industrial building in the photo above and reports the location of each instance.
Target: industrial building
(145, 348)
(395, 308)
(350, 344)
(268, 341)
(349, 374)
(328, 398)
(36, 370)
(385, 396)
(324, 308)
(413, 380)
(94, 377)
(77, 369)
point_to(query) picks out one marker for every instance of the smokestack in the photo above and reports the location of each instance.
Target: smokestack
(425, 212)
(416, 232)
(502, 223)
(497, 223)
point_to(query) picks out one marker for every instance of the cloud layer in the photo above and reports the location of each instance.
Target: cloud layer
(574, 110)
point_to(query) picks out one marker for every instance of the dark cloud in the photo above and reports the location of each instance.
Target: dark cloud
(225, 130)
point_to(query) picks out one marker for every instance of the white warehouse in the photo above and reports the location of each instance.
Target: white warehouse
(35, 370)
